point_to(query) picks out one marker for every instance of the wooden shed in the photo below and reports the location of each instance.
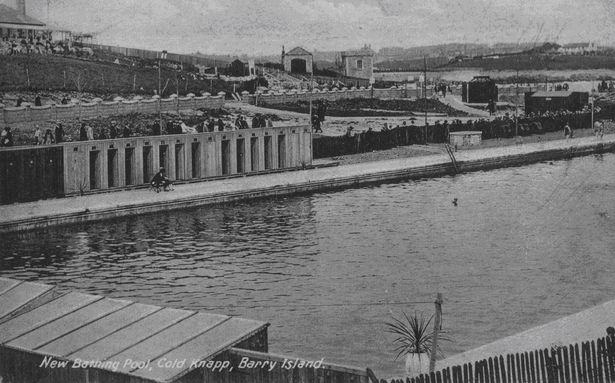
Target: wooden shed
(50, 336)
(479, 90)
(465, 138)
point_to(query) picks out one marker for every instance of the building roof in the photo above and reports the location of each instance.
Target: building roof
(37, 319)
(557, 93)
(9, 15)
(365, 51)
(297, 51)
(577, 45)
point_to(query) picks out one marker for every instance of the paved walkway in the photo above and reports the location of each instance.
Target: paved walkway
(131, 202)
(586, 325)
(455, 103)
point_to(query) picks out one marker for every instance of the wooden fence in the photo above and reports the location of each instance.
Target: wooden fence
(591, 362)
(284, 369)
(330, 146)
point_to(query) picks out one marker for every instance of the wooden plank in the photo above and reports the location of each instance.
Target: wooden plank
(510, 369)
(68, 323)
(580, 365)
(446, 375)
(43, 314)
(503, 369)
(560, 365)
(491, 373)
(537, 372)
(595, 370)
(604, 359)
(131, 335)
(572, 366)
(610, 350)
(18, 296)
(170, 338)
(522, 367)
(543, 367)
(457, 377)
(587, 359)
(97, 330)
(7, 284)
(518, 367)
(599, 366)
(529, 362)
(529, 365)
(496, 369)
(203, 347)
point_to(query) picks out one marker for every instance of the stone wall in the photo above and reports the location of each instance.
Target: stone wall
(333, 95)
(26, 114)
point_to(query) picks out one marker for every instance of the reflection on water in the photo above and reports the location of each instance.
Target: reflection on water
(523, 246)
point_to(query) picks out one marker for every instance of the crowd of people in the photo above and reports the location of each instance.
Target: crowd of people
(39, 45)
(101, 128)
(6, 137)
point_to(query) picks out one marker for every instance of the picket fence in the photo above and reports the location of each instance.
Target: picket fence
(587, 362)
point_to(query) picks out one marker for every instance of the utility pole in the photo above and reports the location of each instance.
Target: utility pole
(425, 95)
(311, 125)
(517, 108)
(436, 329)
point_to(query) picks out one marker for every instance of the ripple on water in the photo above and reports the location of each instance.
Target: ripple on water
(523, 242)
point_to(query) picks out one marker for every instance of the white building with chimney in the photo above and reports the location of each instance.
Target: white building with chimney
(15, 23)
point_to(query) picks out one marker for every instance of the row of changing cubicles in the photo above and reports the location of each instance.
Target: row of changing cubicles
(72, 168)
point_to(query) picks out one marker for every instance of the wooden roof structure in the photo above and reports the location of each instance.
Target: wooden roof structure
(36, 319)
(12, 18)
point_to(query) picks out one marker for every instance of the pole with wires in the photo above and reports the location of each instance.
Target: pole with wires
(425, 95)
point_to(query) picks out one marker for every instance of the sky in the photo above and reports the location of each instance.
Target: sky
(260, 27)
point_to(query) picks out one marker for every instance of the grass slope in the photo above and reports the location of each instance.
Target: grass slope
(72, 74)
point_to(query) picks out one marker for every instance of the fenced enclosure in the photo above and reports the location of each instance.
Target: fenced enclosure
(587, 362)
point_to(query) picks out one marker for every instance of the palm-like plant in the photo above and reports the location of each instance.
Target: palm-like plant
(413, 334)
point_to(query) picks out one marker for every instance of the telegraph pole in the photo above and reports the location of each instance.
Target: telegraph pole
(425, 94)
(517, 108)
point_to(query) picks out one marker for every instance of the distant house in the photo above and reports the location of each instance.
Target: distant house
(358, 64)
(14, 23)
(297, 60)
(237, 68)
(540, 102)
(578, 49)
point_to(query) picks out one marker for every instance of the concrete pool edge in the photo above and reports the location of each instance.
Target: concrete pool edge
(74, 210)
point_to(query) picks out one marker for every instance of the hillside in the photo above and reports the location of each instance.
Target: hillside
(538, 62)
(58, 73)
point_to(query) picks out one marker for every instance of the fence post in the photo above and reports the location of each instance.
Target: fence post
(436, 329)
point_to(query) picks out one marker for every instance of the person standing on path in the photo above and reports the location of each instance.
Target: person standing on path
(567, 131)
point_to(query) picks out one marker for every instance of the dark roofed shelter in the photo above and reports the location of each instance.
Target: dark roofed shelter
(479, 90)
(543, 101)
(38, 323)
(237, 68)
